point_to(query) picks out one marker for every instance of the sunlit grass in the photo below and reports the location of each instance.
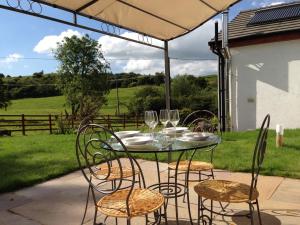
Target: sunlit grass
(27, 160)
(56, 105)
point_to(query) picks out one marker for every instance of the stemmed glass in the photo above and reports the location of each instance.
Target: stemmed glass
(154, 122)
(164, 117)
(151, 120)
(174, 118)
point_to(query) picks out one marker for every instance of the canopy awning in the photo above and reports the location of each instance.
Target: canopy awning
(161, 19)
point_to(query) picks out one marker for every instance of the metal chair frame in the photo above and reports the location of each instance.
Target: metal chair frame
(257, 160)
(88, 120)
(97, 149)
(191, 121)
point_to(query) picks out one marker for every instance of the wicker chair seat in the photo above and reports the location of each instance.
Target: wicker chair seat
(195, 165)
(115, 172)
(141, 202)
(225, 191)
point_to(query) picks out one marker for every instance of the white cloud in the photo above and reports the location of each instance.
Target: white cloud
(143, 66)
(119, 48)
(11, 58)
(49, 43)
(194, 67)
(176, 66)
(132, 57)
(265, 3)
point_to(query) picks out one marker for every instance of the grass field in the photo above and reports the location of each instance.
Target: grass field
(27, 160)
(56, 105)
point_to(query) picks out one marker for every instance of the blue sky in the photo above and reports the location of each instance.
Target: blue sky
(24, 37)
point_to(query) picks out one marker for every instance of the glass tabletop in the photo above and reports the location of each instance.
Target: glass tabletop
(162, 143)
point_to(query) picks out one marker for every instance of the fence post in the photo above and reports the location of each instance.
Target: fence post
(124, 121)
(137, 121)
(50, 123)
(23, 124)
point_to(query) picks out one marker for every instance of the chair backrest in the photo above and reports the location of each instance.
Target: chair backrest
(202, 121)
(259, 152)
(97, 145)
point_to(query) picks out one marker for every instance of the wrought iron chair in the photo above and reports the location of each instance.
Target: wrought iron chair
(102, 169)
(234, 192)
(121, 195)
(199, 121)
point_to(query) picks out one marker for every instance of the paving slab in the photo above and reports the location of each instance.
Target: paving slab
(9, 218)
(288, 192)
(61, 201)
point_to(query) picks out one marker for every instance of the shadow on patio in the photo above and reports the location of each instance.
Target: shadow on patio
(61, 201)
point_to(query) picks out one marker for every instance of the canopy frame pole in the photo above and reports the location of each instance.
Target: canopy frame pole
(74, 23)
(79, 13)
(167, 76)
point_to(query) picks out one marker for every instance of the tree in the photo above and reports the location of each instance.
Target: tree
(83, 74)
(147, 98)
(38, 74)
(4, 97)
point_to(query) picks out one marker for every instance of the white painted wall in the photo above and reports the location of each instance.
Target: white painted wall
(266, 79)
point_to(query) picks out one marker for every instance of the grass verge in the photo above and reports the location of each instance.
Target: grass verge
(27, 160)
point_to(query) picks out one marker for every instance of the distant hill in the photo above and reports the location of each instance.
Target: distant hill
(56, 104)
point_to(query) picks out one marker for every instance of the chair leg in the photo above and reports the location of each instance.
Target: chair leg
(189, 205)
(258, 212)
(251, 208)
(200, 206)
(198, 210)
(186, 183)
(212, 174)
(213, 177)
(166, 212)
(139, 177)
(95, 216)
(157, 217)
(86, 205)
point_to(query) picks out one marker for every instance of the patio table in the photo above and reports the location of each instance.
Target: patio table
(171, 188)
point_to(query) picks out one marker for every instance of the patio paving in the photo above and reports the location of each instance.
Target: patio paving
(61, 201)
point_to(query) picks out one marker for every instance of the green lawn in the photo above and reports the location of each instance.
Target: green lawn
(26, 160)
(56, 105)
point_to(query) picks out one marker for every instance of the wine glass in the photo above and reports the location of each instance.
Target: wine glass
(164, 117)
(154, 122)
(174, 118)
(149, 117)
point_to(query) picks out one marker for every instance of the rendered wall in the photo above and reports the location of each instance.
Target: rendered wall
(265, 79)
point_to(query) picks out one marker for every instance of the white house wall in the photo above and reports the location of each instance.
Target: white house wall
(265, 79)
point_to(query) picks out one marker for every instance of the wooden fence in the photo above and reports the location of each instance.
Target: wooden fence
(25, 123)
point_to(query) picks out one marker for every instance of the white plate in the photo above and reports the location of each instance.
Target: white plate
(171, 130)
(197, 136)
(124, 134)
(190, 140)
(141, 140)
(145, 147)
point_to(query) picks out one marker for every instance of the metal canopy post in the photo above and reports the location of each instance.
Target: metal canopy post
(167, 76)
(217, 49)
